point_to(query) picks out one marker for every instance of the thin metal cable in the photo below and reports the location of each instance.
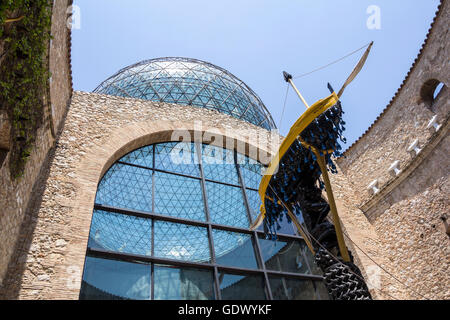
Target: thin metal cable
(331, 63)
(335, 258)
(351, 271)
(390, 274)
(284, 107)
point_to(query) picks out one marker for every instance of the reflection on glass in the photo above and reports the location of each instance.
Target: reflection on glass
(219, 165)
(179, 157)
(321, 290)
(172, 283)
(241, 287)
(181, 242)
(130, 187)
(226, 205)
(121, 233)
(105, 279)
(126, 187)
(286, 227)
(234, 249)
(251, 171)
(142, 157)
(287, 255)
(254, 202)
(179, 196)
(297, 289)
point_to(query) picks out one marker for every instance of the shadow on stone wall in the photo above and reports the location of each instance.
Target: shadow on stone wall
(17, 264)
(10, 288)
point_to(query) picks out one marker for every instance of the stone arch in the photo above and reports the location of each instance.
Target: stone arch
(430, 92)
(118, 143)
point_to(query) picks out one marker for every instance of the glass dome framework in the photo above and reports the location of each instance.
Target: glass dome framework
(164, 230)
(190, 82)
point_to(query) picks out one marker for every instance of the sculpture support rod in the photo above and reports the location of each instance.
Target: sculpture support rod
(300, 230)
(323, 168)
(299, 94)
(337, 223)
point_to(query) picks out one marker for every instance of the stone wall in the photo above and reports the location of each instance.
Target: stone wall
(98, 130)
(15, 195)
(406, 118)
(60, 64)
(400, 224)
(399, 227)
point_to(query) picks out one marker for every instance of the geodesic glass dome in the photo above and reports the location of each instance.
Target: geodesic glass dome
(189, 82)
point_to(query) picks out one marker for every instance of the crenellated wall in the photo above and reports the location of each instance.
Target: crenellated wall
(405, 206)
(406, 118)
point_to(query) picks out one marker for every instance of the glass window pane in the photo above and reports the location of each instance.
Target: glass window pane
(126, 187)
(179, 157)
(181, 242)
(142, 157)
(234, 249)
(251, 171)
(254, 203)
(286, 227)
(105, 279)
(288, 256)
(179, 197)
(241, 287)
(121, 233)
(219, 165)
(297, 289)
(173, 283)
(226, 205)
(321, 290)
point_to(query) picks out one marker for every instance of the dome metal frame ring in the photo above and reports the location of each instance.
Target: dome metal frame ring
(211, 88)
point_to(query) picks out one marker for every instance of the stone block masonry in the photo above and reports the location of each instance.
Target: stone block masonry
(402, 223)
(16, 195)
(98, 130)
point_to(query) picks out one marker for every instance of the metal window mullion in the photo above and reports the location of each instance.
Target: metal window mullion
(130, 257)
(180, 174)
(159, 170)
(256, 246)
(283, 280)
(198, 148)
(153, 228)
(196, 223)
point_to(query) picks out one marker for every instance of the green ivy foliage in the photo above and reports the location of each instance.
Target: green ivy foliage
(24, 73)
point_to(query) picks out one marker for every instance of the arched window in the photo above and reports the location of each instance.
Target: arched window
(431, 91)
(171, 222)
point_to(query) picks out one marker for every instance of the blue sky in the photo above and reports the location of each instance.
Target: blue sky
(256, 40)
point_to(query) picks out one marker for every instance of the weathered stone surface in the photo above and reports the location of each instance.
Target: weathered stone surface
(98, 130)
(16, 195)
(406, 118)
(400, 226)
(401, 230)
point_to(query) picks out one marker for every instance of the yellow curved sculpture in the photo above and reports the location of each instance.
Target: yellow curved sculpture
(306, 118)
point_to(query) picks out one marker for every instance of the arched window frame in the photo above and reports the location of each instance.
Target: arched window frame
(218, 270)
